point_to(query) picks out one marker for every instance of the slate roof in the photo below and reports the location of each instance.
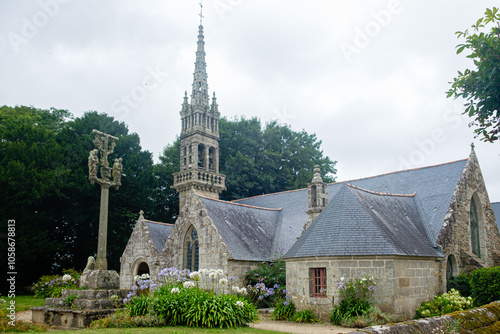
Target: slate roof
(247, 231)
(360, 222)
(159, 233)
(433, 186)
(496, 211)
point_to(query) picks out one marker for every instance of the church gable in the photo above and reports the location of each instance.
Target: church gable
(470, 233)
(180, 247)
(141, 255)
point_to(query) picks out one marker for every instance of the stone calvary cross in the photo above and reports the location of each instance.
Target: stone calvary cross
(104, 148)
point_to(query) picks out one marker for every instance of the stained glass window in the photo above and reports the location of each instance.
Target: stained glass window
(191, 250)
(474, 229)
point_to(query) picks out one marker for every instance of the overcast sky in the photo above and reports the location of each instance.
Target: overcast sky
(367, 77)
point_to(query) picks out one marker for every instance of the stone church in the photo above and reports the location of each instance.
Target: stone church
(413, 229)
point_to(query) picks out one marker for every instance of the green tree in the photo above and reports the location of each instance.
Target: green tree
(166, 199)
(256, 160)
(480, 87)
(32, 178)
(80, 207)
(44, 187)
(261, 160)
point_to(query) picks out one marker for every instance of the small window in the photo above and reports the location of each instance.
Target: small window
(318, 282)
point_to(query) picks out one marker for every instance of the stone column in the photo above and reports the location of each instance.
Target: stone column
(101, 262)
(205, 158)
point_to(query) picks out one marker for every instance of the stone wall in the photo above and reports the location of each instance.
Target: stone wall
(404, 282)
(140, 248)
(455, 236)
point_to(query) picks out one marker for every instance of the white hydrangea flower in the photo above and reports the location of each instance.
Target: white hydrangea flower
(235, 289)
(188, 284)
(66, 278)
(175, 290)
(240, 303)
(243, 291)
(223, 281)
(145, 276)
(136, 278)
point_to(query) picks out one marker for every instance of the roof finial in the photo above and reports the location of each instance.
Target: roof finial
(201, 12)
(472, 146)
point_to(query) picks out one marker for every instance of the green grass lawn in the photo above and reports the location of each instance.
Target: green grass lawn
(24, 302)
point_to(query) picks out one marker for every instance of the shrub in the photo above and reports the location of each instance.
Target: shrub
(485, 285)
(50, 286)
(461, 283)
(200, 302)
(372, 317)
(267, 283)
(304, 316)
(283, 310)
(123, 319)
(442, 304)
(354, 294)
(269, 272)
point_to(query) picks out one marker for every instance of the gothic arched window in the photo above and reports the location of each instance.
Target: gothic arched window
(191, 250)
(474, 229)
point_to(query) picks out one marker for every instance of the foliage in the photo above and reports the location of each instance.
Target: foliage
(354, 295)
(44, 187)
(196, 299)
(266, 159)
(372, 317)
(267, 282)
(304, 316)
(283, 309)
(256, 160)
(123, 319)
(69, 301)
(269, 272)
(480, 86)
(442, 304)
(485, 285)
(461, 283)
(50, 286)
(10, 326)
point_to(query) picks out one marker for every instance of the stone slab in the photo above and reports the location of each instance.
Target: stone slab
(100, 279)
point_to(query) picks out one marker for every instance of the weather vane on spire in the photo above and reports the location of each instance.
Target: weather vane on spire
(201, 13)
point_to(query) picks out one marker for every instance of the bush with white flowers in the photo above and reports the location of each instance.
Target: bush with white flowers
(442, 304)
(205, 298)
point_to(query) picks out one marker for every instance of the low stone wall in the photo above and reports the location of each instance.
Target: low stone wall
(479, 320)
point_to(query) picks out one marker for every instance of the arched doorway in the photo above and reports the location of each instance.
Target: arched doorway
(142, 268)
(451, 270)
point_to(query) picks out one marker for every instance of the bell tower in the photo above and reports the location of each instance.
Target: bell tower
(199, 150)
(317, 195)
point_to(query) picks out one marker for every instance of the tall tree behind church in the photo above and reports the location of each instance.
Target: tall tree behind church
(44, 188)
(256, 160)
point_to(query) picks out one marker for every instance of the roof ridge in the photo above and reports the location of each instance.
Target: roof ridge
(279, 192)
(399, 171)
(160, 223)
(238, 204)
(379, 193)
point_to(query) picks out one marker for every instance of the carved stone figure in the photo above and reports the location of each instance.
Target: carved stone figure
(90, 264)
(93, 164)
(117, 171)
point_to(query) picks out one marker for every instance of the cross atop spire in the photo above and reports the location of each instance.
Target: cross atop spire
(201, 12)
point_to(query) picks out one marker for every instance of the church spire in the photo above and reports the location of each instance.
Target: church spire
(199, 96)
(199, 147)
